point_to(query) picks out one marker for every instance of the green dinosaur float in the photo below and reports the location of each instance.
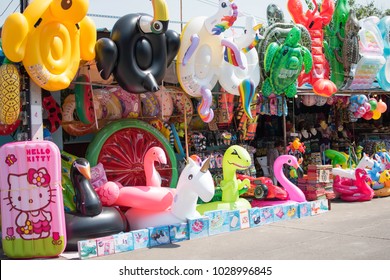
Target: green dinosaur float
(284, 63)
(235, 158)
(333, 31)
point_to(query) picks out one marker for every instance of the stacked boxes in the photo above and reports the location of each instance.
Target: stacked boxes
(318, 183)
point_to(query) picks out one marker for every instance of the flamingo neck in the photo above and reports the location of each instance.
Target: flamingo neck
(294, 193)
(153, 178)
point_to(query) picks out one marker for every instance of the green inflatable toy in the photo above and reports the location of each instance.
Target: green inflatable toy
(235, 158)
(333, 31)
(336, 157)
(284, 63)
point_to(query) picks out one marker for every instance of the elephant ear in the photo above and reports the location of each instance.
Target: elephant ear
(173, 45)
(106, 57)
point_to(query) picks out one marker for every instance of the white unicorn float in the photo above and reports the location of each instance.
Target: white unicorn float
(243, 80)
(194, 181)
(365, 163)
(201, 55)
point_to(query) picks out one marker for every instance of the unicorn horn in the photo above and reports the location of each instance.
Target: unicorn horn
(205, 166)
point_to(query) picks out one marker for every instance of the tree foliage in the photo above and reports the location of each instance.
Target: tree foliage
(369, 9)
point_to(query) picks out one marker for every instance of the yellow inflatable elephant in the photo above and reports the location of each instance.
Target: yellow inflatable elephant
(50, 38)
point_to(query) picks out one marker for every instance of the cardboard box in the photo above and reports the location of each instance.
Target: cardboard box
(304, 209)
(105, 246)
(124, 242)
(87, 248)
(199, 227)
(267, 215)
(141, 238)
(178, 232)
(219, 221)
(244, 219)
(319, 206)
(159, 236)
(234, 220)
(254, 217)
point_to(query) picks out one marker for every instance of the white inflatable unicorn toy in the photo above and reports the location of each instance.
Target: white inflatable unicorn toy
(201, 55)
(194, 181)
(365, 163)
(243, 80)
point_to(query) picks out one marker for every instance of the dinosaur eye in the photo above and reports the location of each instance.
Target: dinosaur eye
(190, 177)
(157, 27)
(223, 5)
(236, 154)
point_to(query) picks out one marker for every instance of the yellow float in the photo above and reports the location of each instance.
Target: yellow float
(50, 38)
(9, 93)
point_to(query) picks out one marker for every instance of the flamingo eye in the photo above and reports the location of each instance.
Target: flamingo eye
(190, 177)
(289, 161)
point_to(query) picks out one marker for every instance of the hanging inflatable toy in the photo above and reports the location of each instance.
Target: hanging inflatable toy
(315, 20)
(50, 38)
(182, 105)
(139, 51)
(284, 63)
(69, 124)
(335, 34)
(84, 100)
(9, 93)
(383, 76)
(111, 107)
(130, 102)
(166, 104)
(350, 50)
(54, 113)
(201, 55)
(243, 81)
(371, 54)
(277, 33)
(274, 14)
(235, 158)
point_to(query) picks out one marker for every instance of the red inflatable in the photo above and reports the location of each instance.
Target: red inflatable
(315, 21)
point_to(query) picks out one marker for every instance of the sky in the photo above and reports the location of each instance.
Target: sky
(188, 10)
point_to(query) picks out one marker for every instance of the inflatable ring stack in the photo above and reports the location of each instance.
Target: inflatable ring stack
(68, 121)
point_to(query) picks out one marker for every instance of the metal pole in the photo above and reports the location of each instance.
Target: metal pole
(284, 123)
(181, 15)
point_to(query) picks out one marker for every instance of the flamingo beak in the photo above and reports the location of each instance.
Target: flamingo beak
(162, 159)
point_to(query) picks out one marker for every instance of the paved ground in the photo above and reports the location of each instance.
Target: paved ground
(350, 231)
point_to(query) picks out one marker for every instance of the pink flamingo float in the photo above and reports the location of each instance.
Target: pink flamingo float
(195, 181)
(295, 194)
(354, 190)
(150, 197)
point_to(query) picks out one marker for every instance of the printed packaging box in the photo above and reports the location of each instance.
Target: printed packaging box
(234, 220)
(159, 236)
(266, 215)
(179, 232)
(304, 209)
(87, 248)
(105, 246)
(141, 238)
(279, 213)
(219, 221)
(319, 206)
(244, 219)
(286, 212)
(124, 242)
(254, 217)
(198, 228)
